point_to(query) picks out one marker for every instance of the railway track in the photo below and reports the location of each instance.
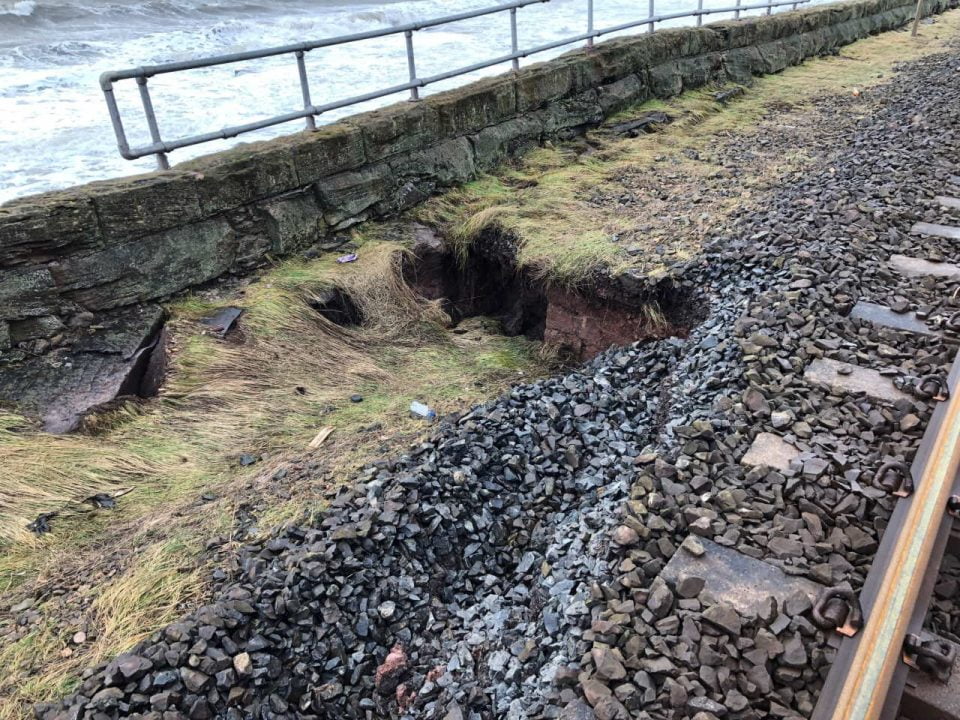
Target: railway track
(887, 664)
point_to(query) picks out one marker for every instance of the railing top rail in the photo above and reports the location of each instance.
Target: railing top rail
(147, 71)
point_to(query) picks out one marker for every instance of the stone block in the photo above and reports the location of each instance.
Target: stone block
(885, 317)
(736, 579)
(4, 335)
(838, 13)
(351, 194)
(774, 57)
(145, 204)
(148, 268)
(735, 34)
(793, 49)
(951, 203)
(442, 165)
(666, 80)
(741, 64)
(917, 267)
(621, 94)
(815, 42)
(675, 43)
(702, 40)
(543, 83)
(242, 175)
(122, 332)
(768, 28)
(399, 128)
(848, 31)
(103, 365)
(294, 221)
(770, 451)
(44, 326)
(254, 237)
(27, 292)
(416, 176)
(326, 151)
(493, 144)
(947, 232)
(835, 375)
(469, 109)
(40, 227)
(699, 70)
(616, 59)
(571, 116)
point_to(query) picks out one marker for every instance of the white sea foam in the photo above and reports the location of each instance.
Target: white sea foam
(54, 128)
(21, 8)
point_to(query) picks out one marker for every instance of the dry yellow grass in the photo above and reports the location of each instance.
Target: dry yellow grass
(44, 661)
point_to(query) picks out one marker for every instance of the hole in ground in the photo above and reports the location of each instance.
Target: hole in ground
(338, 307)
(580, 323)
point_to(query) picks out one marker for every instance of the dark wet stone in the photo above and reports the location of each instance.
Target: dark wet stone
(195, 681)
(794, 653)
(689, 586)
(608, 666)
(723, 617)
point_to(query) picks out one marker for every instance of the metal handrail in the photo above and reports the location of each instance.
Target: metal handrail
(161, 148)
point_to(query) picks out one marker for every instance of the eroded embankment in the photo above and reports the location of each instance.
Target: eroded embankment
(511, 565)
(601, 311)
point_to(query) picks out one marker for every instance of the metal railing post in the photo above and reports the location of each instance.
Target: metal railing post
(769, 7)
(162, 162)
(122, 145)
(736, 13)
(916, 18)
(590, 23)
(699, 13)
(514, 43)
(411, 65)
(305, 88)
(650, 12)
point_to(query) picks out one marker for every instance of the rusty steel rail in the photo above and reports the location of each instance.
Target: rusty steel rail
(867, 679)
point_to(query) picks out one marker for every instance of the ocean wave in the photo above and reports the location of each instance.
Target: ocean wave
(20, 8)
(59, 11)
(66, 52)
(391, 15)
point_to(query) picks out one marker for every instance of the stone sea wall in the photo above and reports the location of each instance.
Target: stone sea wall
(108, 245)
